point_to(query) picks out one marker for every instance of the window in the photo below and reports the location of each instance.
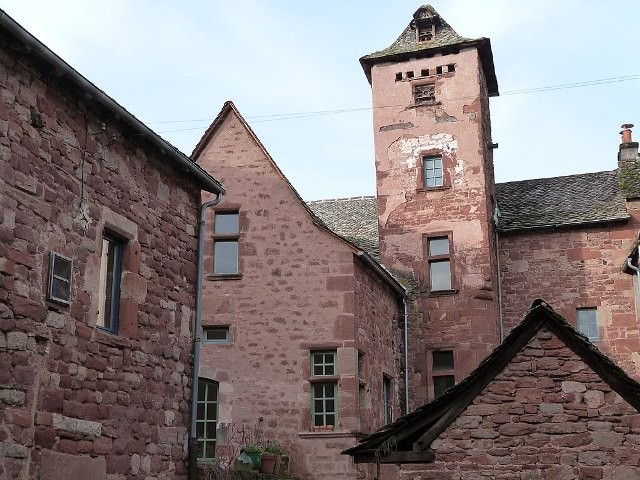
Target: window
(207, 419)
(59, 278)
(432, 172)
(386, 400)
(323, 393)
(439, 262)
(423, 94)
(443, 371)
(587, 323)
(226, 229)
(216, 334)
(110, 275)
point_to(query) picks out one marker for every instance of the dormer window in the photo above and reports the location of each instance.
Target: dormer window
(426, 32)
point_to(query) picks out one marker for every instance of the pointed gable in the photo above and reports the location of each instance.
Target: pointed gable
(235, 147)
(546, 384)
(427, 34)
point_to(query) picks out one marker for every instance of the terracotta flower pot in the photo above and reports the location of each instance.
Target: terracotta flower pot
(268, 463)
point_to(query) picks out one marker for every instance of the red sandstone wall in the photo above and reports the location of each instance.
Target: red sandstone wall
(74, 401)
(574, 268)
(299, 289)
(379, 339)
(546, 416)
(458, 128)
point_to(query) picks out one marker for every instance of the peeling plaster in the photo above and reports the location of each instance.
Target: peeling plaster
(411, 148)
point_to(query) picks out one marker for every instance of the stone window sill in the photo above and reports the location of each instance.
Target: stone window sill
(333, 434)
(433, 189)
(227, 276)
(441, 293)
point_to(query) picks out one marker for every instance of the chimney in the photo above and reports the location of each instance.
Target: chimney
(628, 164)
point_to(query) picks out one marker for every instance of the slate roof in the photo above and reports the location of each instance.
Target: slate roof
(407, 429)
(581, 199)
(573, 200)
(407, 42)
(354, 219)
(445, 40)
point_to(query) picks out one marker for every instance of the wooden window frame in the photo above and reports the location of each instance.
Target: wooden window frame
(55, 260)
(226, 238)
(204, 403)
(108, 321)
(439, 373)
(429, 259)
(327, 377)
(446, 169)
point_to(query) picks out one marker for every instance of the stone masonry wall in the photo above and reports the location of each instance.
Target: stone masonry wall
(545, 416)
(76, 402)
(295, 293)
(571, 269)
(379, 341)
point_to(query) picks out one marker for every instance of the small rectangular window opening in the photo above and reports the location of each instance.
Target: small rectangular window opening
(60, 271)
(324, 394)
(587, 323)
(439, 261)
(207, 419)
(398, 76)
(216, 334)
(443, 371)
(451, 67)
(438, 70)
(433, 173)
(409, 74)
(226, 231)
(424, 72)
(110, 277)
(386, 400)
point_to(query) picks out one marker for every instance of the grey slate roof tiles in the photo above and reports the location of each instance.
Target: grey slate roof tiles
(407, 41)
(582, 199)
(355, 219)
(560, 201)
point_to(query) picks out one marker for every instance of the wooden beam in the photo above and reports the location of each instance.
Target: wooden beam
(402, 457)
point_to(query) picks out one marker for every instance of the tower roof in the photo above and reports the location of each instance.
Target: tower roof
(443, 39)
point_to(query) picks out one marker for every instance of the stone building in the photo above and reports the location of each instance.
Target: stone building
(471, 254)
(300, 333)
(546, 404)
(98, 267)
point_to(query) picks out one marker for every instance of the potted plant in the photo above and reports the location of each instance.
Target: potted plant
(254, 452)
(272, 458)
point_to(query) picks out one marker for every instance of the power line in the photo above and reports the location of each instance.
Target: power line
(298, 115)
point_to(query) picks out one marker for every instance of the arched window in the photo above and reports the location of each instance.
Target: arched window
(207, 421)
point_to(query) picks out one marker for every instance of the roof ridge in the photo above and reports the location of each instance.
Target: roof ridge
(361, 197)
(557, 176)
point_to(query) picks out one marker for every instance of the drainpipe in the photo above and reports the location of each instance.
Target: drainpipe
(193, 438)
(406, 354)
(637, 270)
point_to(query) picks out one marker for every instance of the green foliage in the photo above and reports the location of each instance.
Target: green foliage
(275, 448)
(629, 176)
(252, 449)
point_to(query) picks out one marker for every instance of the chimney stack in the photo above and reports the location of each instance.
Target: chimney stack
(626, 132)
(628, 164)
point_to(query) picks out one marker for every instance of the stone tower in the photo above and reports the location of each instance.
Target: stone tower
(435, 189)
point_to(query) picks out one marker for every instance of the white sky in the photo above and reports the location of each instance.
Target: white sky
(177, 62)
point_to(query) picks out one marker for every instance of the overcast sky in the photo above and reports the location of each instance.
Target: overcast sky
(174, 63)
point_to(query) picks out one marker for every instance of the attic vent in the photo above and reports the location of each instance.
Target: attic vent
(424, 93)
(426, 32)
